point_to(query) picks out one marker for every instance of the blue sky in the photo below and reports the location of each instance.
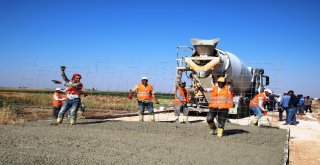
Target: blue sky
(113, 43)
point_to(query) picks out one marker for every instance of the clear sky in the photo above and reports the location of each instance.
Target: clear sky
(113, 43)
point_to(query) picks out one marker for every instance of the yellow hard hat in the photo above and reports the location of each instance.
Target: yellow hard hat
(221, 79)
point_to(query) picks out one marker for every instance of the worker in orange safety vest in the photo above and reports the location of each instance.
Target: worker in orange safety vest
(180, 103)
(73, 90)
(145, 95)
(220, 102)
(57, 103)
(257, 105)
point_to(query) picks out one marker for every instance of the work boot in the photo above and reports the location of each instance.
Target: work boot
(140, 117)
(81, 115)
(185, 119)
(181, 119)
(220, 132)
(59, 120)
(212, 127)
(254, 120)
(72, 121)
(152, 118)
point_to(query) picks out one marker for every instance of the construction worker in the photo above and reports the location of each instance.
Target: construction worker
(57, 103)
(145, 95)
(180, 103)
(73, 90)
(257, 105)
(220, 102)
(82, 109)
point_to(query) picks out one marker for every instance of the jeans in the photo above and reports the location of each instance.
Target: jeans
(148, 105)
(281, 112)
(179, 108)
(222, 116)
(73, 105)
(291, 119)
(257, 111)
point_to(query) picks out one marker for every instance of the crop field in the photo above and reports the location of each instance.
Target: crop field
(19, 105)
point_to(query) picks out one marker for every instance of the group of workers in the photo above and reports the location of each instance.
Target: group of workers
(220, 101)
(72, 102)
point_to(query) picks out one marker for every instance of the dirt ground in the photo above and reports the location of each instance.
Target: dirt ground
(103, 139)
(100, 141)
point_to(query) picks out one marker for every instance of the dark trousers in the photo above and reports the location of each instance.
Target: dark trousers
(222, 116)
(55, 112)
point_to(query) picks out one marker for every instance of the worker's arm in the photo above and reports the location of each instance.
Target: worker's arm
(154, 97)
(77, 86)
(180, 98)
(56, 98)
(260, 104)
(63, 74)
(130, 95)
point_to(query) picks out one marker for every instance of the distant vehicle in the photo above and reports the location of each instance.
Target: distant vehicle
(205, 63)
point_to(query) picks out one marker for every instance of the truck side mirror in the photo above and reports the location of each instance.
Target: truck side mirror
(267, 80)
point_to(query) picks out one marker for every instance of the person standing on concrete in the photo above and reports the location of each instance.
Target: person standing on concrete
(73, 90)
(145, 95)
(307, 104)
(220, 102)
(293, 102)
(284, 103)
(256, 105)
(180, 103)
(57, 103)
(300, 108)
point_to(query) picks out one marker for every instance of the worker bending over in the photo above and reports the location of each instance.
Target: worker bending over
(256, 105)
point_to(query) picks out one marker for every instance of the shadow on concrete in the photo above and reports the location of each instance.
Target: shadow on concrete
(98, 121)
(234, 132)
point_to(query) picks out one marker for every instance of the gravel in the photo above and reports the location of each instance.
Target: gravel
(119, 142)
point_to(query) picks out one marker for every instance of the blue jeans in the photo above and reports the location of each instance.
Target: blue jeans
(73, 105)
(257, 111)
(281, 112)
(291, 119)
(148, 105)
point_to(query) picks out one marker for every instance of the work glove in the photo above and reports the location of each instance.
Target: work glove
(130, 96)
(63, 68)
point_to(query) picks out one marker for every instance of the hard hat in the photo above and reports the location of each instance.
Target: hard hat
(58, 89)
(144, 78)
(75, 75)
(268, 90)
(221, 79)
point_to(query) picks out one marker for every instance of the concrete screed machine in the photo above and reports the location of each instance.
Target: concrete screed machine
(205, 65)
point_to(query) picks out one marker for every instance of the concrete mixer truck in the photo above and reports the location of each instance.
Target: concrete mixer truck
(203, 64)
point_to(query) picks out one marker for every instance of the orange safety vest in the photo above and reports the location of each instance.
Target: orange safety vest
(183, 94)
(144, 93)
(221, 100)
(74, 91)
(56, 103)
(255, 101)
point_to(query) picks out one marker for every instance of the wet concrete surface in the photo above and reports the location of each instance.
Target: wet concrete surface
(94, 141)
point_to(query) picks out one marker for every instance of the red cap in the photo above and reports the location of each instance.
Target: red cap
(75, 75)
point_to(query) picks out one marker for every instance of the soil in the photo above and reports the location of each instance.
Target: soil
(101, 141)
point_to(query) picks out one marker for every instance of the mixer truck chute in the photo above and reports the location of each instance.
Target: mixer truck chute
(205, 63)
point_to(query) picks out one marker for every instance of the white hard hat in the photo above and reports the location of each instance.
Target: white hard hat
(144, 78)
(268, 90)
(58, 89)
